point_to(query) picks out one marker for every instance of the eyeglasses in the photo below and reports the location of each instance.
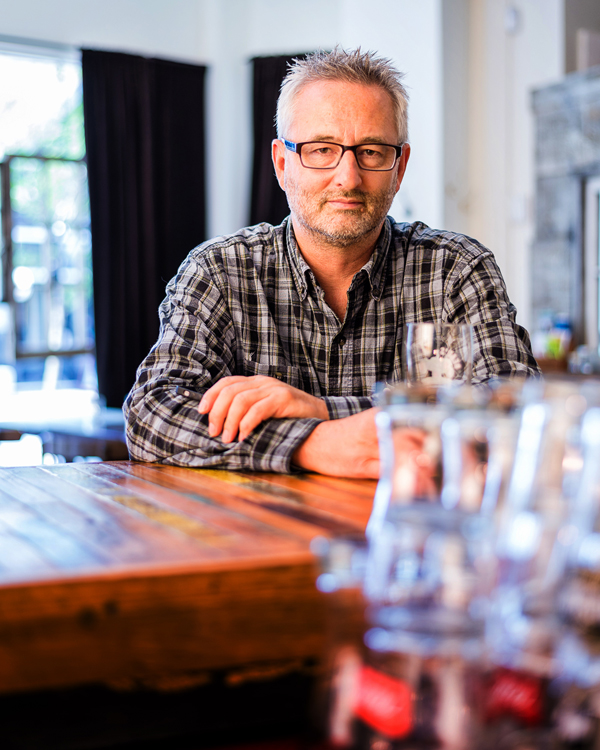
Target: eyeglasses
(372, 157)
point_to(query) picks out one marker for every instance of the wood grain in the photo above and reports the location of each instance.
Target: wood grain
(122, 572)
(277, 506)
(89, 630)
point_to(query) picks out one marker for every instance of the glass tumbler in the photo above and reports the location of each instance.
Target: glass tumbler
(416, 679)
(451, 446)
(438, 353)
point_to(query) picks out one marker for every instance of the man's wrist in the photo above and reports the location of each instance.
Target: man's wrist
(304, 456)
(323, 410)
(340, 407)
(342, 447)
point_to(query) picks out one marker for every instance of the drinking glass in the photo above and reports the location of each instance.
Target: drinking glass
(452, 447)
(414, 680)
(532, 697)
(536, 528)
(438, 353)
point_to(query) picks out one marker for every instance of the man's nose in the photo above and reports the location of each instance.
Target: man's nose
(348, 173)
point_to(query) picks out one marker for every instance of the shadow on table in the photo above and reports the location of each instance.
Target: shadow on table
(273, 714)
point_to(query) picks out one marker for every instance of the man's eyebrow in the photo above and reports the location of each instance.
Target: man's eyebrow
(331, 139)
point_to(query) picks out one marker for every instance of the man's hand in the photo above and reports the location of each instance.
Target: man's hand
(342, 447)
(237, 404)
(349, 447)
(415, 472)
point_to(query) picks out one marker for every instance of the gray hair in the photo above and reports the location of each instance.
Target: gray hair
(351, 66)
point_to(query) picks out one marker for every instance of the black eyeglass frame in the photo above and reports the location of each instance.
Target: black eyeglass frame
(297, 149)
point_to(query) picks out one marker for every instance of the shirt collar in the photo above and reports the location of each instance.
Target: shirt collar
(374, 268)
(297, 263)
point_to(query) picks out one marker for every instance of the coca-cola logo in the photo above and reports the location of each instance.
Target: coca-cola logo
(384, 703)
(514, 694)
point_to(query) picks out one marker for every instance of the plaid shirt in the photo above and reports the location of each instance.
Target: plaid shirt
(249, 304)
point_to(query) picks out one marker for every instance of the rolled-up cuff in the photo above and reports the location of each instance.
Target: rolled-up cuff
(345, 406)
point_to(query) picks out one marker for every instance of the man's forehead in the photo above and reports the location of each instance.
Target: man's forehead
(325, 106)
(332, 91)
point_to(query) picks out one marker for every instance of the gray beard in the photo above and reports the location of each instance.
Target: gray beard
(338, 238)
(367, 221)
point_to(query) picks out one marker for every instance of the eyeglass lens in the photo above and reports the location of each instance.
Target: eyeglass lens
(374, 156)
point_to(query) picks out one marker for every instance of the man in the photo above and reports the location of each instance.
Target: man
(284, 330)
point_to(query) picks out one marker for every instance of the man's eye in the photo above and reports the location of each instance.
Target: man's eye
(370, 152)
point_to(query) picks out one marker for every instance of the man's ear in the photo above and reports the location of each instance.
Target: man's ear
(278, 154)
(402, 162)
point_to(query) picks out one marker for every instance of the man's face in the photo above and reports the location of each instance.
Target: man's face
(345, 205)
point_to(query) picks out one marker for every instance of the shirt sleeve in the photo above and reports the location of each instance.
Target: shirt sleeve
(195, 348)
(345, 406)
(477, 295)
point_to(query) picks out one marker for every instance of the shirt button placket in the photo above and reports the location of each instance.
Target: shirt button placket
(341, 360)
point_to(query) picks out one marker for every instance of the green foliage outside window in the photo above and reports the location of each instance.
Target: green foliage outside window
(42, 143)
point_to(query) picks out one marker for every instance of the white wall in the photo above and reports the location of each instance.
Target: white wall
(152, 27)
(455, 109)
(515, 46)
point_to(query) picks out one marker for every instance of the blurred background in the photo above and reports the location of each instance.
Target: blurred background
(505, 135)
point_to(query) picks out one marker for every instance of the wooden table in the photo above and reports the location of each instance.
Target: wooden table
(134, 574)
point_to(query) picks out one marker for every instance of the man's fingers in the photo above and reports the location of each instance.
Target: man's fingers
(257, 413)
(247, 410)
(211, 395)
(409, 438)
(221, 405)
(238, 404)
(278, 403)
(221, 408)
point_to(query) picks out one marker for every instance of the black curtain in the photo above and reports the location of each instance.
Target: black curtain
(268, 202)
(144, 132)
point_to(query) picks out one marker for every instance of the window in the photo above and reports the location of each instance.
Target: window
(46, 308)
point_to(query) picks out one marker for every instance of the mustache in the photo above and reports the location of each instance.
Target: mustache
(353, 195)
